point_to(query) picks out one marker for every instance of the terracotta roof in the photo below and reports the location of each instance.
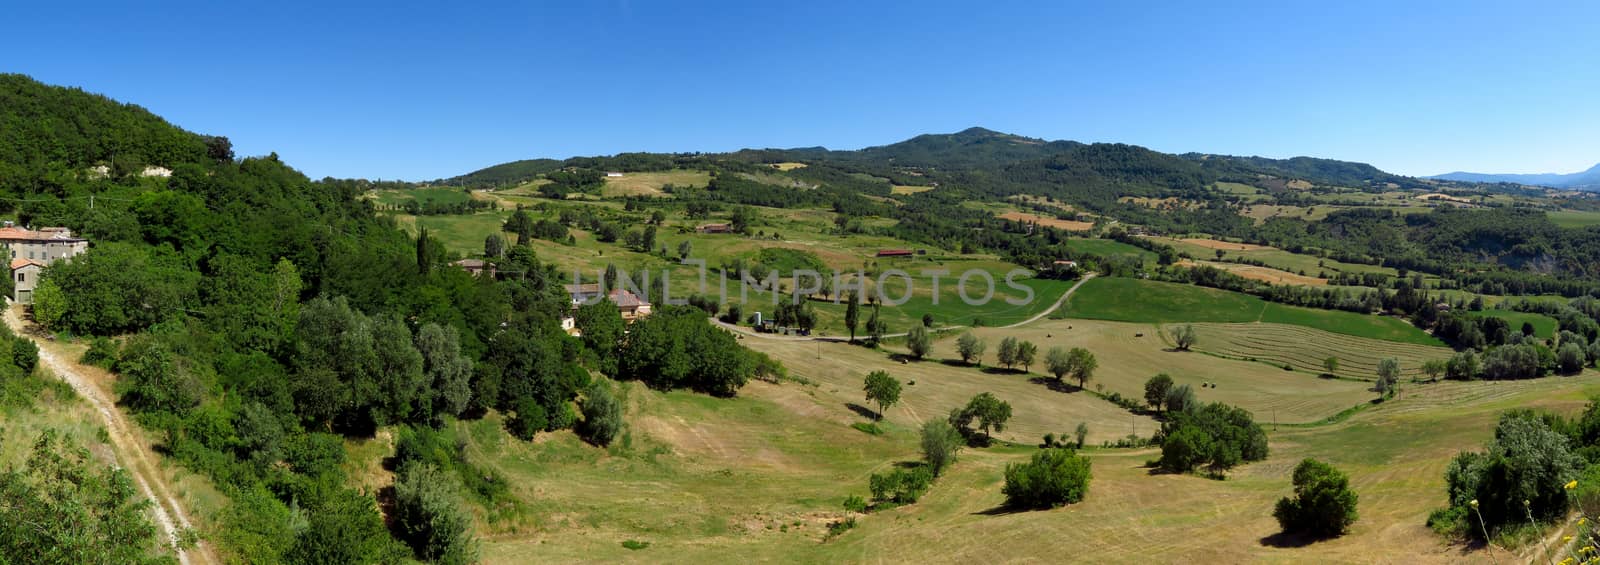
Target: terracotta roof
(626, 299)
(471, 263)
(20, 263)
(46, 234)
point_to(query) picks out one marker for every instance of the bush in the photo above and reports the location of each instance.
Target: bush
(1522, 473)
(25, 354)
(1053, 477)
(856, 504)
(1216, 435)
(102, 353)
(429, 519)
(602, 414)
(528, 420)
(1323, 504)
(940, 444)
(900, 486)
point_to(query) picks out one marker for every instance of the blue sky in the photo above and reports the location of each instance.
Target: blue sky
(422, 90)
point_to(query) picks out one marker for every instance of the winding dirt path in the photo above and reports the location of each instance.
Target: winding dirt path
(132, 453)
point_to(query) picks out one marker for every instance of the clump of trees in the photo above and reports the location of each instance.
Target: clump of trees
(675, 348)
(1051, 478)
(1215, 436)
(1323, 504)
(1519, 477)
(428, 515)
(988, 412)
(59, 505)
(1078, 363)
(602, 414)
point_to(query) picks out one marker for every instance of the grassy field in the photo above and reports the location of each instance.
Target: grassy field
(1271, 257)
(421, 195)
(649, 184)
(1110, 248)
(1305, 348)
(1134, 300)
(908, 189)
(1543, 326)
(758, 477)
(1575, 218)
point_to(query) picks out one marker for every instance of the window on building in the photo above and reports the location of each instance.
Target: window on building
(21, 276)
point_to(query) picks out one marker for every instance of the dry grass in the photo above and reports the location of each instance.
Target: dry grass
(1267, 274)
(1068, 225)
(1305, 348)
(1225, 245)
(788, 166)
(908, 189)
(649, 184)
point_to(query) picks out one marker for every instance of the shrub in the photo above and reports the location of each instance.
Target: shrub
(900, 486)
(429, 519)
(940, 444)
(1323, 504)
(1053, 477)
(528, 420)
(854, 503)
(1521, 474)
(102, 353)
(25, 354)
(602, 414)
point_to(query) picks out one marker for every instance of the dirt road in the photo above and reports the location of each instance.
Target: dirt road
(132, 452)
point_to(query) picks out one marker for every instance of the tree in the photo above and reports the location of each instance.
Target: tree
(448, 371)
(1185, 336)
(430, 519)
(1025, 354)
(883, 390)
(1462, 366)
(1184, 449)
(1180, 398)
(685, 249)
(876, 327)
(852, 314)
(24, 354)
(1527, 329)
(494, 246)
(919, 341)
(1007, 355)
(1323, 504)
(60, 505)
(1434, 368)
(521, 224)
(940, 444)
(1083, 365)
(1520, 475)
(1388, 376)
(1051, 478)
(1058, 362)
(602, 414)
(990, 412)
(529, 419)
(927, 320)
(1156, 390)
(970, 347)
(602, 328)
(1330, 365)
(743, 217)
(1081, 433)
(49, 304)
(1570, 358)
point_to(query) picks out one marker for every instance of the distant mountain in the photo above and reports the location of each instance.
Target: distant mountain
(993, 156)
(1586, 180)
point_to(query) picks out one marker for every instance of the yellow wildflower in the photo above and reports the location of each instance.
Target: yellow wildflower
(1572, 485)
(1566, 539)
(1474, 503)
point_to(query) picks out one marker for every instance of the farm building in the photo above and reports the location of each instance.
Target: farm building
(895, 253)
(613, 175)
(25, 275)
(31, 251)
(629, 305)
(477, 267)
(715, 228)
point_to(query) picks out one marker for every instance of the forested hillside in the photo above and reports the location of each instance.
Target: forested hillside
(257, 316)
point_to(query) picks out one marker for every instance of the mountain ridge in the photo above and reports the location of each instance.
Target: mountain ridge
(1583, 180)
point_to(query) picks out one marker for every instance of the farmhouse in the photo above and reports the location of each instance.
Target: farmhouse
(477, 267)
(629, 305)
(32, 250)
(715, 228)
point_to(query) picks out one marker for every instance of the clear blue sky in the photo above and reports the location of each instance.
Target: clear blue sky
(421, 90)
